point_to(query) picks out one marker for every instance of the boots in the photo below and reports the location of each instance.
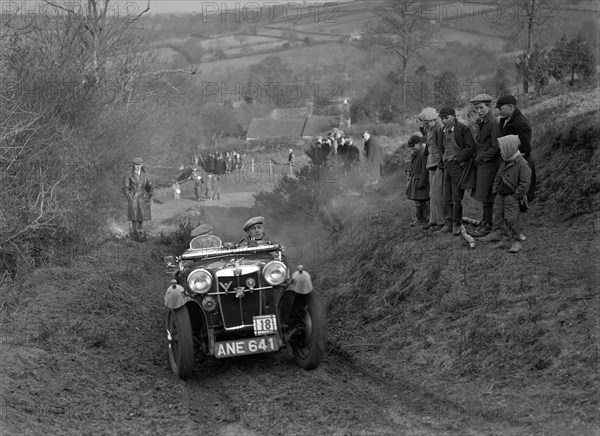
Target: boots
(503, 244)
(483, 230)
(446, 229)
(494, 236)
(515, 247)
(456, 229)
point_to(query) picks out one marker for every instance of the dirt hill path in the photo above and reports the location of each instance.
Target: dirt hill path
(83, 351)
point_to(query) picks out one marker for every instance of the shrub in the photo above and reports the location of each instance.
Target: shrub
(568, 161)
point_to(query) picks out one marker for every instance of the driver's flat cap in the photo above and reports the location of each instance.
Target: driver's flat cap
(252, 221)
(202, 229)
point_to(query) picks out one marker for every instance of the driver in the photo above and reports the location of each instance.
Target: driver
(255, 228)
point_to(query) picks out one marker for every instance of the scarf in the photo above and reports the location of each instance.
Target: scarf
(509, 147)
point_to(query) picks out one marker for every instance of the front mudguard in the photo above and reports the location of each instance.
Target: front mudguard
(301, 282)
(175, 297)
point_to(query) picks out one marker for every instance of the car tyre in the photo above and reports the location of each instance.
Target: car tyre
(309, 347)
(181, 342)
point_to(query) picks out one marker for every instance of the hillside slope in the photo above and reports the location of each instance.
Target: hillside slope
(510, 338)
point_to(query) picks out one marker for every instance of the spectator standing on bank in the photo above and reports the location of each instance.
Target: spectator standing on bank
(176, 190)
(433, 130)
(373, 156)
(511, 185)
(457, 147)
(418, 184)
(216, 187)
(513, 122)
(487, 161)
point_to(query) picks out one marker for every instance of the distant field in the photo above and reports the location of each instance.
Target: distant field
(320, 55)
(459, 21)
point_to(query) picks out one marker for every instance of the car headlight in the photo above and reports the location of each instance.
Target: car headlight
(199, 281)
(275, 273)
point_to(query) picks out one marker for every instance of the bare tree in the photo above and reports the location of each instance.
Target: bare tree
(103, 28)
(402, 31)
(525, 20)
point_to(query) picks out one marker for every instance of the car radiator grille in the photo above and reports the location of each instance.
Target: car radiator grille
(238, 312)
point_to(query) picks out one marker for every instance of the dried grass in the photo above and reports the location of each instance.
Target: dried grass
(435, 311)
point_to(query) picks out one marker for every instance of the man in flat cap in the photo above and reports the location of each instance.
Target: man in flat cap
(433, 130)
(457, 147)
(487, 161)
(138, 190)
(255, 228)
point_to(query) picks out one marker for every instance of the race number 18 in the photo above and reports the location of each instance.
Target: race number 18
(264, 325)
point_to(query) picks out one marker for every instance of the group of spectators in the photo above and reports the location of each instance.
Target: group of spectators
(336, 146)
(206, 185)
(489, 154)
(221, 162)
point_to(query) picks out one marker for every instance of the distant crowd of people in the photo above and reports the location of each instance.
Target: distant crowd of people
(489, 154)
(220, 162)
(337, 146)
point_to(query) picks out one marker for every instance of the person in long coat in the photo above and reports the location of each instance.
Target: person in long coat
(487, 161)
(418, 185)
(138, 190)
(513, 122)
(373, 155)
(433, 131)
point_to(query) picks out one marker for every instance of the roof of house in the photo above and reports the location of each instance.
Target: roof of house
(319, 125)
(268, 128)
(287, 113)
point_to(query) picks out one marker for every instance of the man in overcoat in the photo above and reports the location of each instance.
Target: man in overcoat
(513, 122)
(433, 130)
(138, 190)
(487, 161)
(373, 155)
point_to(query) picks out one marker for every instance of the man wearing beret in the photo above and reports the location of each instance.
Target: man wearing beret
(487, 161)
(138, 190)
(513, 122)
(457, 147)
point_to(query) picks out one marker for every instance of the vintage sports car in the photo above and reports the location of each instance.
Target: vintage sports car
(227, 301)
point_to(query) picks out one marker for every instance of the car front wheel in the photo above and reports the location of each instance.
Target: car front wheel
(181, 342)
(310, 339)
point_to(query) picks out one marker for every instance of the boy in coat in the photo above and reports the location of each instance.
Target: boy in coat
(418, 185)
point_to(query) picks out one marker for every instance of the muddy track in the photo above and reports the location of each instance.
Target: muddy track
(59, 382)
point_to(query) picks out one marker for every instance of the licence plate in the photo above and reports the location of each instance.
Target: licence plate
(265, 324)
(242, 347)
